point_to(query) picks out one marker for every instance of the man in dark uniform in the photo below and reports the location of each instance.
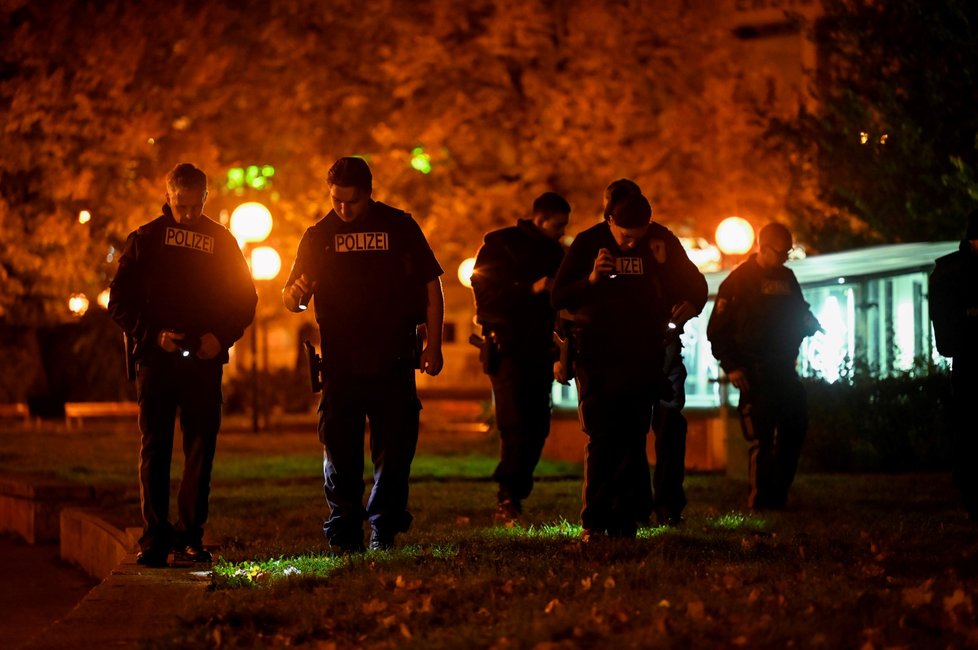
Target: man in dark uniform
(511, 280)
(954, 311)
(183, 295)
(756, 329)
(668, 422)
(373, 279)
(612, 283)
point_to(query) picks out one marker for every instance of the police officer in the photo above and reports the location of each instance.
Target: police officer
(668, 422)
(373, 279)
(756, 329)
(511, 280)
(183, 295)
(954, 311)
(613, 284)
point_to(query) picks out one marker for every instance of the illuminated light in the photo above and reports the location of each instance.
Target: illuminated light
(181, 123)
(863, 137)
(703, 254)
(265, 263)
(251, 222)
(735, 236)
(420, 160)
(151, 141)
(103, 299)
(259, 183)
(84, 216)
(884, 138)
(267, 171)
(78, 304)
(829, 353)
(465, 270)
(251, 174)
(236, 178)
(841, 281)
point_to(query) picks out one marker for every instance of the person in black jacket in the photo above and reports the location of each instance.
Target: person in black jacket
(373, 280)
(669, 425)
(954, 312)
(511, 281)
(614, 284)
(183, 294)
(756, 329)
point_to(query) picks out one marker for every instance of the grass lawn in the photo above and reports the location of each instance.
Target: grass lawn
(858, 561)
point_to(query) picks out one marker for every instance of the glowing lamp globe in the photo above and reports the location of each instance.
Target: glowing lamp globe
(465, 270)
(735, 236)
(78, 304)
(251, 222)
(265, 263)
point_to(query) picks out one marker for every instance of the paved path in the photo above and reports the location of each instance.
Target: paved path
(36, 588)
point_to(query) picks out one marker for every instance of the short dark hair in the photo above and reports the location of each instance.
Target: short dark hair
(616, 191)
(774, 232)
(631, 211)
(186, 176)
(551, 203)
(350, 171)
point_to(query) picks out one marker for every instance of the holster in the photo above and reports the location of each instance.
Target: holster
(315, 367)
(746, 419)
(489, 351)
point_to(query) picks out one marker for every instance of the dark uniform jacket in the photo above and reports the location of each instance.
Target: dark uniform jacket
(510, 261)
(954, 304)
(189, 278)
(370, 295)
(760, 317)
(621, 321)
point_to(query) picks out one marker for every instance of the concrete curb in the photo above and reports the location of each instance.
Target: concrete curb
(30, 506)
(92, 544)
(132, 604)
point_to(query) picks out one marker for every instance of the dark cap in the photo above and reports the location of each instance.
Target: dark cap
(632, 211)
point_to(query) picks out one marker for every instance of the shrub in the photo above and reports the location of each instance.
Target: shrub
(890, 424)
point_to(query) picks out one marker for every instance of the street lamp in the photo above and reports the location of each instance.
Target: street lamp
(251, 223)
(78, 304)
(465, 270)
(735, 236)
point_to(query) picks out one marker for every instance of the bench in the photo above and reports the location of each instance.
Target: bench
(78, 411)
(15, 411)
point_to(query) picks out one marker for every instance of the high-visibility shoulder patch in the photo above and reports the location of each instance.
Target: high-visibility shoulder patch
(356, 242)
(197, 241)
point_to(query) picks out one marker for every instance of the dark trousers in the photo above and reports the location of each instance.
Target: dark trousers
(670, 427)
(163, 387)
(616, 417)
(522, 392)
(775, 413)
(964, 390)
(390, 403)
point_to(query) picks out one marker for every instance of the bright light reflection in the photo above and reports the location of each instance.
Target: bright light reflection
(84, 216)
(103, 299)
